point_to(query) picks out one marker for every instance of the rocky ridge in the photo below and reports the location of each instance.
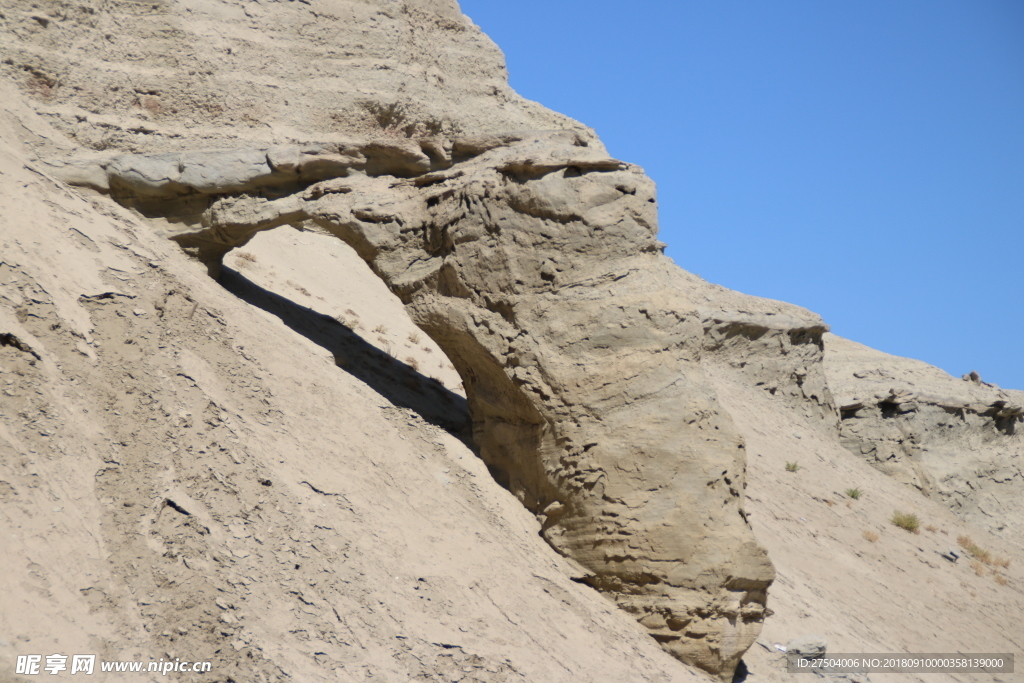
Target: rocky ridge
(185, 476)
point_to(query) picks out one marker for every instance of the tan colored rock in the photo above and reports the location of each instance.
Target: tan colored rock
(534, 266)
(960, 441)
(144, 77)
(185, 474)
(409, 158)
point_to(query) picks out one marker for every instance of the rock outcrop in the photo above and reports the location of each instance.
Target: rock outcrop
(184, 476)
(958, 440)
(232, 516)
(146, 76)
(532, 260)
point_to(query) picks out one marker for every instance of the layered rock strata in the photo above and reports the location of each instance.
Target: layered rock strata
(146, 76)
(957, 440)
(532, 260)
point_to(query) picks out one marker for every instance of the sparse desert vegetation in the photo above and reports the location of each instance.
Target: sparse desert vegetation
(853, 493)
(351, 323)
(981, 554)
(907, 521)
(870, 536)
(974, 550)
(792, 466)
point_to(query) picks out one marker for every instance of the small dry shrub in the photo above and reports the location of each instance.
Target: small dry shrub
(1001, 562)
(792, 466)
(381, 329)
(975, 550)
(931, 528)
(414, 338)
(978, 568)
(427, 349)
(412, 363)
(349, 311)
(907, 521)
(870, 536)
(1000, 579)
(350, 323)
(246, 256)
(853, 493)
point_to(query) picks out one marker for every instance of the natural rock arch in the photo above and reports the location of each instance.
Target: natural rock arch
(532, 260)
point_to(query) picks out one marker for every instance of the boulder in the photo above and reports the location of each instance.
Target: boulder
(808, 646)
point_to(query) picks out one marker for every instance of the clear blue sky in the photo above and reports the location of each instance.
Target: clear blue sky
(864, 159)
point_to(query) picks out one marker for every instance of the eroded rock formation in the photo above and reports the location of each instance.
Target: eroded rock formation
(532, 260)
(957, 440)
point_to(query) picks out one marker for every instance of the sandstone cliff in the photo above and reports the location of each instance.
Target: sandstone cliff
(251, 472)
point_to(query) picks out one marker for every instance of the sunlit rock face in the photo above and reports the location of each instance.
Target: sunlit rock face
(532, 260)
(530, 257)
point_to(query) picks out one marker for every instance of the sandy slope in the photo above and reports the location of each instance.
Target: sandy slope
(893, 594)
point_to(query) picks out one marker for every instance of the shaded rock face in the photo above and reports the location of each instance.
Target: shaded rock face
(532, 260)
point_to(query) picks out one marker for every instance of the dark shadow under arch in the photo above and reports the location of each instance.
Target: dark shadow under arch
(394, 380)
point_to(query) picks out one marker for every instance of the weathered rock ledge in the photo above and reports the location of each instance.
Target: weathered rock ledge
(953, 439)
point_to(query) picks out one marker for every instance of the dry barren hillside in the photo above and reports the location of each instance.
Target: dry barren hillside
(186, 476)
(444, 412)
